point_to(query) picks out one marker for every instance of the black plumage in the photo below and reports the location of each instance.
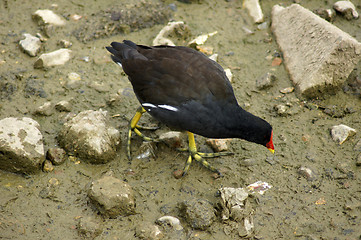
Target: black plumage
(186, 90)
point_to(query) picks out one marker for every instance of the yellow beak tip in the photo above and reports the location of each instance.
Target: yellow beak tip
(271, 150)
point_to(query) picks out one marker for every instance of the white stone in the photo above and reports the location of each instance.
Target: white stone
(89, 136)
(254, 9)
(346, 8)
(46, 16)
(341, 132)
(58, 57)
(201, 39)
(30, 45)
(318, 56)
(161, 38)
(21, 145)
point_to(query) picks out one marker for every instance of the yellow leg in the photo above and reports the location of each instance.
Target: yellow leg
(134, 127)
(194, 154)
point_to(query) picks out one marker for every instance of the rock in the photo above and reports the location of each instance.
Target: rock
(173, 139)
(341, 132)
(307, 173)
(63, 106)
(281, 109)
(199, 213)
(358, 160)
(172, 28)
(233, 202)
(327, 14)
(58, 57)
(48, 166)
(56, 155)
(148, 231)
(347, 9)
(287, 90)
(265, 81)
(229, 74)
(259, 187)
(171, 221)
(318, 56)
(74, 80)
(89, 137)
(200, 40)
(89, 228)
(218, 145)
(48, 17)
(254, 9)
(30, 45)
(21, 145)
(65, 43)
(45, 110)
(112, 197)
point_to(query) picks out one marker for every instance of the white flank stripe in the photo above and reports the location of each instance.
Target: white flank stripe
(149, 105)
(168, 107)
(120, 64)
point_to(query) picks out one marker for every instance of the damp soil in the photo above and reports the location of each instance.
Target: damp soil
(295, 208)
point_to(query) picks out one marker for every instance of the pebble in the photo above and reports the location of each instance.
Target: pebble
(21, 145)
(307, 173)
(214, 57)
(65, 43)
(170, 220)
(254, 9)
(30, 45)
(327, 14)
(341, 132)
(173, 139)
(200, 40)
(56, 155)
(229, 74)
(75, 17)
(46, 16)
(199, 213)
(287, 90)
(347, 9)
(45, 110)
(172, 27)
(265, 81)
(233, 202)
(178, 173)
(281, 109)
(63, 106)
(218, 145)
(48, 166)
(58, 57)
(89, 227)
(148, 231)
(89, 136)
(112, 197)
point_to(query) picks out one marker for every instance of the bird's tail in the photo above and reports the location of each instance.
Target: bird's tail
(124, 51)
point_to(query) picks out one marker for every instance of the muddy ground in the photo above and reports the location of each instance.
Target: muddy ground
(328, 207)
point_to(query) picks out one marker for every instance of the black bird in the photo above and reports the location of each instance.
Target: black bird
(184, 89)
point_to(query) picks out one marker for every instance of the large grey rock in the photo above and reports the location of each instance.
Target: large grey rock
(21, 145)
(112, 197)
(89, 137)
(199, 213)
(318, 56)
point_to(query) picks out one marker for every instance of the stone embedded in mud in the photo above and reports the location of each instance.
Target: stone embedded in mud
(148, 231)
(318, 56)
(89, 227)
(46, 16)
(112, 197)
(254, 9)
(56, 155)
(265, 81)
(171, 29)
(30, 45)
(199, 213)
(55, 58)
(307, 173)
(89, 137)
(218, 145)
(173, 139)
(63, 106)
(347, 9)
(48, 166)
(341, 132)
(45, 110)
(21, 145)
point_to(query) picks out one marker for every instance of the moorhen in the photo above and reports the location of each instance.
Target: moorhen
(187, 91)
